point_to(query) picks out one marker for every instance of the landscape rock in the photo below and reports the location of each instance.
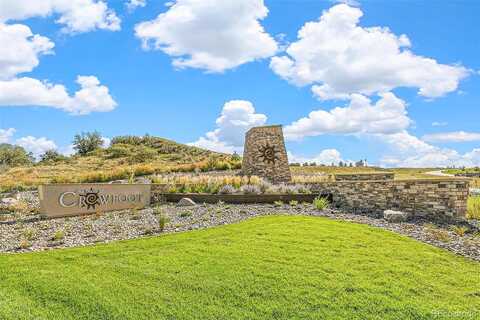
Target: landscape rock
(395, 216)
(186, 202)
(475, 191)
(9, 201)
(143, 180)
(118, 182)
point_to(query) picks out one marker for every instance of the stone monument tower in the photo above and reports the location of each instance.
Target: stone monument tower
(265, 154)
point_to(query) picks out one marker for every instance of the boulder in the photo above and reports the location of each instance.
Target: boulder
(186, 202)
(395, 216)
(9, 201)
(119, 182)
(142, 180)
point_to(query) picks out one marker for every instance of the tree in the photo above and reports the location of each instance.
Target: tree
(52, 156)
(359, 163)
(87, 142)
(235, 156)
(14, 155)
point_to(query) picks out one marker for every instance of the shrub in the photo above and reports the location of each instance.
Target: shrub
(222, 165)
(236, 157)
(185, 214)
(473, 209)
(278, 203)
(24, 244)
(13, 156)
(227, 189)
(162, 221)
(436, 233)
(118, 151)
(58, 235)
(293, 203)
(321, 203)
(144, 170)
(250, 189)
(86, 142)
(265, 186)
(52, 156)
(142, 154)
(439, 235)
(461, 231)
(157, 211)
(29, 234)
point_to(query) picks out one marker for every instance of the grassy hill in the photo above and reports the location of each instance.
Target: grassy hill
(127, 157)
(277, 267)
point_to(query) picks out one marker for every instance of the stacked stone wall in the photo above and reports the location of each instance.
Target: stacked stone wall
(436, 199)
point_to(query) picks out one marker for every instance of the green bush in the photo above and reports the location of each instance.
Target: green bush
(321, 203)
(162, 221)
(13, 156)
(142, 154)
(86, 142)
(163, 146)
(52, 156)
(118, 151)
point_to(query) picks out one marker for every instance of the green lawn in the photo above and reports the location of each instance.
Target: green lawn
(278, 267)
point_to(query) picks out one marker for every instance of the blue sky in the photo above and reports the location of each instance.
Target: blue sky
(405, 96)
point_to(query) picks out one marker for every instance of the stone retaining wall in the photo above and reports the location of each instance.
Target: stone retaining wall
(434, 198)
(364, 176)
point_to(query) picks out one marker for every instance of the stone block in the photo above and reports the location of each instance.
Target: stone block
(395, 216)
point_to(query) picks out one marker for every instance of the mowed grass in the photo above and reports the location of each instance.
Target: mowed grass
(276, 267)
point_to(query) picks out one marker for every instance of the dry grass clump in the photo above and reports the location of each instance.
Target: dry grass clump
(475, 183)
(473, 208)
(436, 233)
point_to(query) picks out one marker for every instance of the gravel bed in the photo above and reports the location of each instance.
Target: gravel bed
(31, 233)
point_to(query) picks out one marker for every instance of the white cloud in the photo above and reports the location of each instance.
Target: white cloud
(6, 134)
(353, 3)
(456, 136)
(327, 157)
(209, 144)
(106, 142)
(92, 97)
(21, 53)
(439, 124)
(214, 35)
(68, 150)
(387, 115)
(339, 57)
(36, 146)
(237, 117)
(409, 151)
(76, 15)
(134, 4)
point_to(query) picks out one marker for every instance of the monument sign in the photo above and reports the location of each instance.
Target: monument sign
(265, 154)
(58, 200)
